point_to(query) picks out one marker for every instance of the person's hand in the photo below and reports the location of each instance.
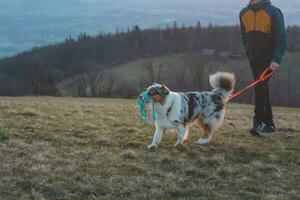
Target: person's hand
(274, 66)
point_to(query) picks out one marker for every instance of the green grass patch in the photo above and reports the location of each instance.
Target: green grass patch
(3, 135)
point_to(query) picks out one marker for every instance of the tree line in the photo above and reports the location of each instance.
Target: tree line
(81, 62)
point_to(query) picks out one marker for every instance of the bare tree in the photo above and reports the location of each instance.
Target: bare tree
(196, 65)
(40, 77)
(155, 73)
(111, 82)
(87, 77)
(179, 78)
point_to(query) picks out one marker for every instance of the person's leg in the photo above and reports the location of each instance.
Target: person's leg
(269, 114)
(260, 94)
(263, 109)
(260, 102)
(269, 128)
(268, 118)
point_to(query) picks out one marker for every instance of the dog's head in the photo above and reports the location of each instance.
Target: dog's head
(158, 92)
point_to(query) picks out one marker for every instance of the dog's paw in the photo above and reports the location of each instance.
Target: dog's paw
(202, 141)
(152, 147)
(185, 140)
(178, 144)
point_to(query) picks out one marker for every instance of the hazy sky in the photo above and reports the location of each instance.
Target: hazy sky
(28, 23)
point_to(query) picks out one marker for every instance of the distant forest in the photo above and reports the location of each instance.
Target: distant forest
(42, 70)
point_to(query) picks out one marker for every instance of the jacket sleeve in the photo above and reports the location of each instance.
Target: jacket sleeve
(280, 36)
(243, 33)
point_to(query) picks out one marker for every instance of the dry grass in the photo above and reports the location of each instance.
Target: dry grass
(65, 148)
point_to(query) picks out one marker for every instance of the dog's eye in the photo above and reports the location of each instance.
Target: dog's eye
(152, 92)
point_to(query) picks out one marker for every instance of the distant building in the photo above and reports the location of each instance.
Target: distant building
(235, 56)
(208, 52)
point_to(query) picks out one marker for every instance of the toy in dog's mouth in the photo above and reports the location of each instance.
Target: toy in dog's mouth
(144, 98)
(154, 94)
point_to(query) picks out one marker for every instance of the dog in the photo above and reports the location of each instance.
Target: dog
(180, 111)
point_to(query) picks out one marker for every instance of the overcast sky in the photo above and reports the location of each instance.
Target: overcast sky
(28, 23)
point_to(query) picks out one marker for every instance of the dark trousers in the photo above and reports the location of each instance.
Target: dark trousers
(263, 109)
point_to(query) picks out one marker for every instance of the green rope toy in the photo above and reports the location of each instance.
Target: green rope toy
(145, 99)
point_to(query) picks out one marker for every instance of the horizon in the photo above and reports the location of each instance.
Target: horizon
(34, 24)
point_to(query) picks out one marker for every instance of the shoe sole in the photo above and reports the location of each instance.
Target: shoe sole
(267, 134)
(255, 132)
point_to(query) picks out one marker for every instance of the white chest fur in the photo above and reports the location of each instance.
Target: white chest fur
(168, 112)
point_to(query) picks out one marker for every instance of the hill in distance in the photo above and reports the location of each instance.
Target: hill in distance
(33, 23)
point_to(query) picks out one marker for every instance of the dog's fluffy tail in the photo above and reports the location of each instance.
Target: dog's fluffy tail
(224, 81)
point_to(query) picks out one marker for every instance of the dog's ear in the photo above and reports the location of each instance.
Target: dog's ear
(164, 90)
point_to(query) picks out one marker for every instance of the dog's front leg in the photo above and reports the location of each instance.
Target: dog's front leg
(181, 132)
(156, 138)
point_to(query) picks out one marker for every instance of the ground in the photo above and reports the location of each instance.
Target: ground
(71, 148)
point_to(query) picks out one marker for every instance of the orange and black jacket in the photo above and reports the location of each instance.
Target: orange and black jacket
(263, 32)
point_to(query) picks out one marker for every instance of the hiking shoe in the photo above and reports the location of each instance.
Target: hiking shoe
(268, 129)
(257, 128)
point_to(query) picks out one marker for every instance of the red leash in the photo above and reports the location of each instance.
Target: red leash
(264, 76)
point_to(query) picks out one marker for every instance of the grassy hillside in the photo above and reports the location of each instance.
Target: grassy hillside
(135, 70)
(66, 148)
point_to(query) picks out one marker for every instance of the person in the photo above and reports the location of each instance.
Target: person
(264, 37)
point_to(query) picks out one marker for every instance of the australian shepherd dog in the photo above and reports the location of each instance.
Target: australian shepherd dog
(180, 111)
